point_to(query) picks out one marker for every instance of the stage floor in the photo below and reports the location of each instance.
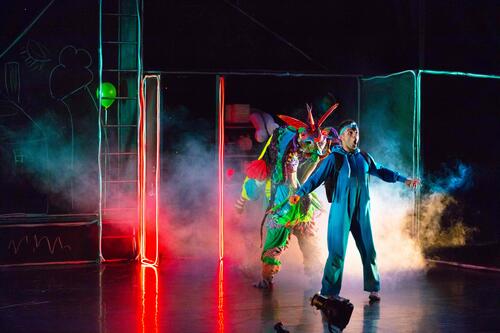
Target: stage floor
(201, 296)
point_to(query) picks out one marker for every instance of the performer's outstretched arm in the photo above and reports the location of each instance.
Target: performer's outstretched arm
(318, 177)
(389, 175)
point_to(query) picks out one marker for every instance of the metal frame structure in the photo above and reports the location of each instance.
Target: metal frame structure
(149, 171)
(143, 201)
(113, 215)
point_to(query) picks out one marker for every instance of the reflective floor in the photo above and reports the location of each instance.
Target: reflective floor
(201, 296)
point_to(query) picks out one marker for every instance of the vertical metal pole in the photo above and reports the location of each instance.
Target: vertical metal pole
(99, 150)
(418, 165)
(149, 169)
(220, 160)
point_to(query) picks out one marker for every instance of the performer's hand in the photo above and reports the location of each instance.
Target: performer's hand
(412, 182)
(294, 199)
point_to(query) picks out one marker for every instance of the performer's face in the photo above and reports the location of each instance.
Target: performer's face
(310, 146)
(350, 139)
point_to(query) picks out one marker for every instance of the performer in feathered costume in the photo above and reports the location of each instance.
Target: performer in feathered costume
(289, 157)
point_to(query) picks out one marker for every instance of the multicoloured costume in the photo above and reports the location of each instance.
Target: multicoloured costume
(346, 177)
(291, 153)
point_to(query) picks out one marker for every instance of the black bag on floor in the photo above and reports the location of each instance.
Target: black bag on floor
(337, 310)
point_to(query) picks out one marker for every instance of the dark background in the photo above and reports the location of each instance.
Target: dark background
(460, 116)
(366, 37)
(362, 37)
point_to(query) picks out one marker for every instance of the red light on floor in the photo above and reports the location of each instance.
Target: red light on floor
(220, 299)
(148, 321)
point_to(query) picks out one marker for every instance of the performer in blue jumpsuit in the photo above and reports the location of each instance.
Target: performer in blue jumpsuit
(346, 174)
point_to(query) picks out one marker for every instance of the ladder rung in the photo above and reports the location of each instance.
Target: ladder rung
(108, 221)
(118, 14)
(119, 125)
(122, 153)
(126, 98)
(131, 236)
(117, 42)
(119, 70)
(120, 181)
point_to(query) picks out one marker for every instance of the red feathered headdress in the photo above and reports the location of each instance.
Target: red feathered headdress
(311, 127)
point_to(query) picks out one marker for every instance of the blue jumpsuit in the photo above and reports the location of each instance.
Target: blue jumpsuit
(350, 211)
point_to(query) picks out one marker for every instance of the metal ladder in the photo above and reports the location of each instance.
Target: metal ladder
(121, 65)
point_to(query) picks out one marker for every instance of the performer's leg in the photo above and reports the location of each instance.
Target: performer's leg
(338, 231)
(309, 245)
(362, 233)
(276, 242)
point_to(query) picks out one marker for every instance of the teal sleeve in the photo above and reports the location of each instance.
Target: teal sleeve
(326, 167)
(385, 174)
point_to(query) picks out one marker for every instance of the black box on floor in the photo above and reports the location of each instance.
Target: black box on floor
(337, 310)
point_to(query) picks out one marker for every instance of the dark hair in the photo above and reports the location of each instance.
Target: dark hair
(344, 123)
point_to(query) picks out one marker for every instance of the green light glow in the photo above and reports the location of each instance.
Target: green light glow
(416, 164)
(417, 111)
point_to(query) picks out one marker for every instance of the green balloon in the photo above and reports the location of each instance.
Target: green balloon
(107, 94)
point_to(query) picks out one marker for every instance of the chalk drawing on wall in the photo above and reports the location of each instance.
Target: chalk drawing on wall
(71, 75)
(35, 55)
(12, 81)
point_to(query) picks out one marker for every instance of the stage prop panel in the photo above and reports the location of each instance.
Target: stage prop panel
(40, 240)
(120, 68)
(149, 168)
(390, 127)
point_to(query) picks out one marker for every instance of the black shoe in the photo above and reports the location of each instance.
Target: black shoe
(374, 296)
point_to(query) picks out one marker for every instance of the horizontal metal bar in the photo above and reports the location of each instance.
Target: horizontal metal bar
(126, 98)
(119, 70)
(118, 42)
(455, 73)
(255, 73)
(128, 236)
(119, 208)
(120, 181)
(118, 260)
(386, 76)
(123, 153)
(118, 14)
(74, 262)
(49, 224)
(112, 220)
(119, 125)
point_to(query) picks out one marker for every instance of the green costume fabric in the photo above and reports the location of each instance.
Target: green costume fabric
(284, 219)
